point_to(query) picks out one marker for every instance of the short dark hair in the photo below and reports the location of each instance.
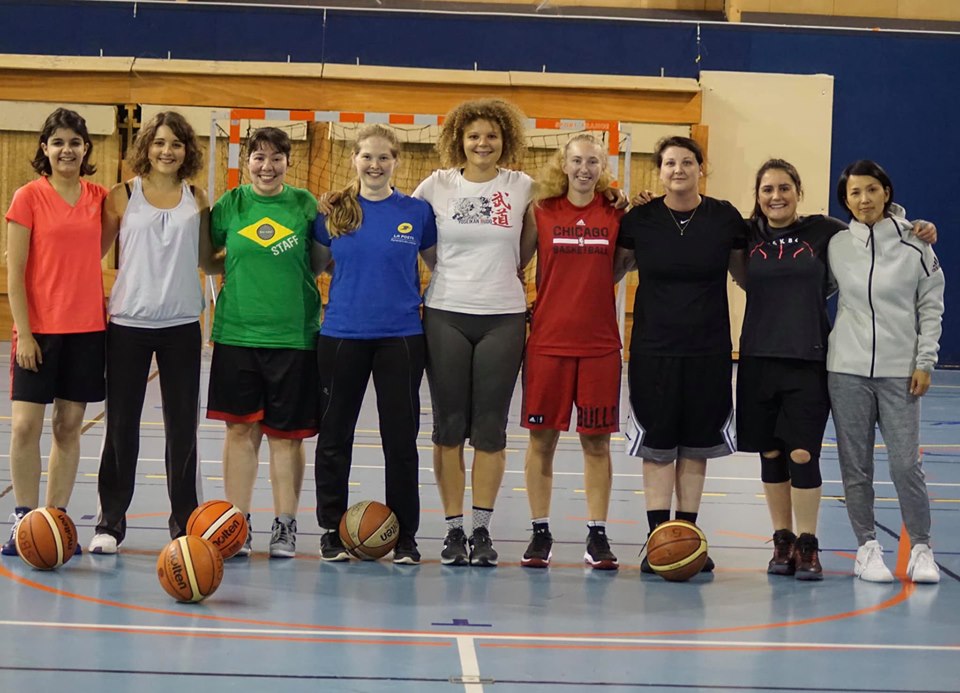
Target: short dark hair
(275, 137)
(676, 141)
(773, 165)
(140, 154)
(864, 167)
(68, 120)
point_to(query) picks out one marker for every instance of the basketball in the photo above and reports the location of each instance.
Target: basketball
(46, 538)
(677, 550)
(220, 522)
(369, 530)
(190, 568)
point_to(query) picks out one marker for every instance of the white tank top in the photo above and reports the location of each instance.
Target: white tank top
(157, 283)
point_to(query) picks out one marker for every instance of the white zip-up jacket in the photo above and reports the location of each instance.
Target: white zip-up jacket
(891, 301)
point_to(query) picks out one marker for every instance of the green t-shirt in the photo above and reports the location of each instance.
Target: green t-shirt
(269, 296)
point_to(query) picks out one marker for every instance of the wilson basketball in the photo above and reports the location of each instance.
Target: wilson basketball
(46, 538)
(221, 523)
(190, 568)
(677, 550)
(369, 530)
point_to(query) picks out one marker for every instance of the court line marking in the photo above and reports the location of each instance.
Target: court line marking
(906, 589)
(469, 665)
(466, 644)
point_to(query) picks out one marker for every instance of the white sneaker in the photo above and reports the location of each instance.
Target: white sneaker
(103, 543)
(870, 565)
(922, 566)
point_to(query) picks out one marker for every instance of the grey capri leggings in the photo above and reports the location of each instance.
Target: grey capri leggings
(472, 367)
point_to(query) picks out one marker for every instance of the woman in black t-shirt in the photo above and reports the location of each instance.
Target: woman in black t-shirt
(680, 355)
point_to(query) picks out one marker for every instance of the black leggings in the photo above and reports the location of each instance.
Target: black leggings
(345, 367)
(129, 352)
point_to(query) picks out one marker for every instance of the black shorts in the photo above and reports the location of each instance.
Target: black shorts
(275, 387)
(781, 404)
(72, 369)
(680, 406)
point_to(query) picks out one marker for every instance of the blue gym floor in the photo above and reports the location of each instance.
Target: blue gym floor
(102, 623)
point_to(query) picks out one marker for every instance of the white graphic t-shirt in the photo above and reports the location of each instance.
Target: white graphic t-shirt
(478, 241)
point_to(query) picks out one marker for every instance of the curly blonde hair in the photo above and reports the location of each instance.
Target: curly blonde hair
(139, 156)
(347, 215)
(553, 182)
(505, 114)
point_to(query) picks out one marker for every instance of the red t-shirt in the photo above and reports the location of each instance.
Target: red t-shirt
(63, 279)
(575, 313)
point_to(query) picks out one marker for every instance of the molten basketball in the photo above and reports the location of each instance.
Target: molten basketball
(677, 550)
(190, 568)
(46, 538)
(369, 530)
(220, 522)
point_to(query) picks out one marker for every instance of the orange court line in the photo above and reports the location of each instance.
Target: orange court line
(664, 648)
(906, 590)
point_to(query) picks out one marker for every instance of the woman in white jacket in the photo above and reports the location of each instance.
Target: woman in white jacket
(880, 355)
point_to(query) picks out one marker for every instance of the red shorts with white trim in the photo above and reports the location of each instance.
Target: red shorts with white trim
(552, 385)
(276, 387)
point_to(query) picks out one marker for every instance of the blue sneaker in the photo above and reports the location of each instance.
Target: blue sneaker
(10, 548)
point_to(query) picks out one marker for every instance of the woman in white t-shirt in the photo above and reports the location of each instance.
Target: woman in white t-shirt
(163, 225)
(475, 306)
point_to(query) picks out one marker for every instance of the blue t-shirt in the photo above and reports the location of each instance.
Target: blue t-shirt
(375, 290)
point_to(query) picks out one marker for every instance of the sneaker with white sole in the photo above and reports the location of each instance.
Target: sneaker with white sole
(103, 543)
(332, 548)
(10, 548)
(869, 565)
(923, 566)
(247, 547)
(283, 537)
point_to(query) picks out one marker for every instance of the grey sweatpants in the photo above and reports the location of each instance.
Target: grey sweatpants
(859, 405)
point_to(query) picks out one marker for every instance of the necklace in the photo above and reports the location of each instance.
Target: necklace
(683, 225)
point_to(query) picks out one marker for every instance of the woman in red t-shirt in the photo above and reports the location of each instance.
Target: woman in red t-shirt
(573, 354)
(56, 298)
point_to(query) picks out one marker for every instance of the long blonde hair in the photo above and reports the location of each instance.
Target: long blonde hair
(347, 215)
(553, 182)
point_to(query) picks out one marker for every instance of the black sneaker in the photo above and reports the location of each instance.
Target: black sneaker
(708, 566)
(332, 548)
(645, 567)
(598, 553)
(784, 560)
(807, 558)
(455, 548)
(539, 552)
(406, 551)
(482, 552)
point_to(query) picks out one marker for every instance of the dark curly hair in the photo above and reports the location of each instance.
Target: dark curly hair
(505, 114)
(139, 156)
(68, 120)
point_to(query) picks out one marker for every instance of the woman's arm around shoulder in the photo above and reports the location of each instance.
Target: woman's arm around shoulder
(114, 207)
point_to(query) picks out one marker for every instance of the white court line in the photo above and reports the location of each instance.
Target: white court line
(749, 479)
(540, 638)
(469, 665)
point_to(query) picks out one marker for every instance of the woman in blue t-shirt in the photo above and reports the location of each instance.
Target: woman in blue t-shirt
(372, 326)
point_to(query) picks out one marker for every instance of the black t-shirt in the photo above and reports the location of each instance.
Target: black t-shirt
(681, 302)
(787, 278)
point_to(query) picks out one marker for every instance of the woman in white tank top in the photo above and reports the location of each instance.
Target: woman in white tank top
(155, 307)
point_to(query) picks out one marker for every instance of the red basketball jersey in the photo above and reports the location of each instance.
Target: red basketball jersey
(575, 313)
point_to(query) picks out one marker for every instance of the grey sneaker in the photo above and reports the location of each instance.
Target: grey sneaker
(283, 538)
(332, 548)
(455, 548)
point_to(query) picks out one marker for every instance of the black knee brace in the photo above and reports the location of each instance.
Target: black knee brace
(775, 470)
(806, 475)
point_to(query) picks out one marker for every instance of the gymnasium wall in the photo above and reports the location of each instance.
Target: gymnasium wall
(895, 93)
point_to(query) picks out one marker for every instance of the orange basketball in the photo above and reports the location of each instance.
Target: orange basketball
(46, 538)
(677, 550)
(190, 568)
(222, 523)
(369, 530)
